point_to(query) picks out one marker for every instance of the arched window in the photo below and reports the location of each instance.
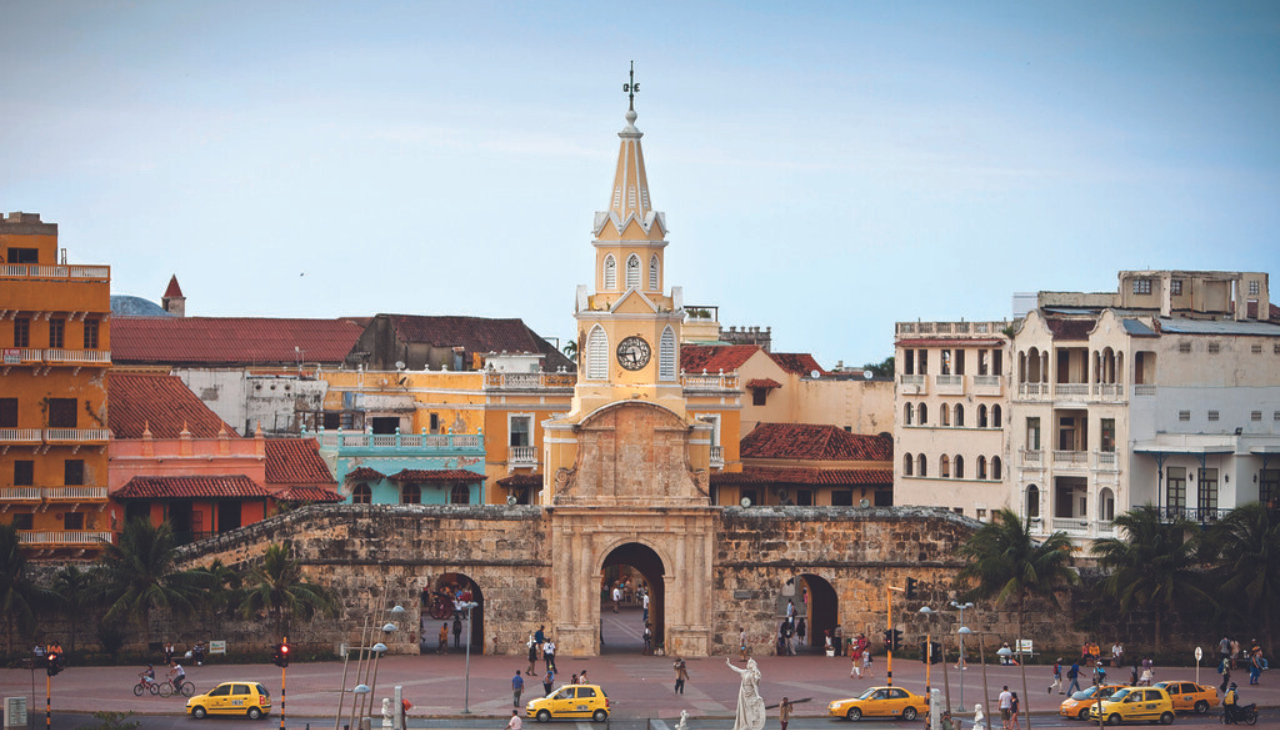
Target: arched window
(959, 466)
(610, 273)
(633, 272)
(461, 494)
(597, 354)
(995, 468)
(667, 355)
(995, 417)
(982, 416)
(944, 415)
(944, 466)
(922, 465)
(1033, 501)
(361, 494)
(906, 414)
(924, 414)
(959, 419)
(410, 494)
(1107, 499)
(908, 464)
(982, 467)
(655, 283)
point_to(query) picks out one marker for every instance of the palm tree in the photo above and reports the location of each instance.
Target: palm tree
(570, 350)
(18, 594)
(74, 593)
(224, 591)
(140, 576)
(278, 588)
(1154, 567)
(1247, 546)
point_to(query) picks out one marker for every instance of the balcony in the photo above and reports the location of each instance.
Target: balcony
(709, 382)
(988, 385)
(21, 356)
(64, 537)
(20, 494)
(77, 357)
(36, 271)
(1033, 459)
(419, 442)
(494, 380)
(1106, 461)
(949, 384)
(1078, 459)
(1202, 515)
(21, 436)
(76, 435)
(1144, 390)
(717, 457)
(914, 384)
(74, 494)
(522, 456)
(1033, 391)
(1113, 392)
(1075, 391)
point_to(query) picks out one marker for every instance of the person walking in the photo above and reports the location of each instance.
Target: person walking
(549, 653)
(617, 598)
(457, 632)
(533, 657)
(644, 601)
(1255, 666)
(517, 689)
(866, 663)
(548, 680)
(682, 675)
(514, 723)
(742, 644)
(1006, 707)
(1148, 672)
(648, 639)
(1073, 674)
(442, 647)
(855, 669)
(1057, 676)
(1014, 706)
(1235, 652)
(784, 712)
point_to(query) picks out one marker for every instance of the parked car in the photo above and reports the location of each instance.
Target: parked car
(1135, 704)
(1077, 705)
(1190, 697)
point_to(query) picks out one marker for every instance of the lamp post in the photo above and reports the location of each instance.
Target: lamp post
(946, 679)
(466, 695)
(961, 663)
(963, 631)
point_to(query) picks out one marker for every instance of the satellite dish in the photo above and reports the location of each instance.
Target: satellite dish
(399, 365)
(815, 374)
(866, 374)
(745, 501)
(865, 502)
(511, 499)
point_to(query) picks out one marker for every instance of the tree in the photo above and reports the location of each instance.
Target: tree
(882, 369)
(278, 588)
(74, 590)
(18, 594)
(224, 591)
(1153, 567)
(570, 350)
(140, 575)
(1246, 544)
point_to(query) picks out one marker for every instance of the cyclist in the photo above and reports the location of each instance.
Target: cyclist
(148, 675)
(178, 674)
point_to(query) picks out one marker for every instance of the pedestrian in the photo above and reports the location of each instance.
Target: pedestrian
(540, 637)
(1073, 674)
(514, 723)
(1226, 674)
(1057, 676)
(644, 601)
(682, 675)
(582, 678)
(827, 644)
(648, 639)
(866, 663)
(784, 712)
(1133, 676)
(1006, 707)
(617, 597)
(855, 669)
(517, 689)
(1148, 671)
(405, 706)
(1255, 666)
(1235, 652)
(1117, 654)
(1224, 647)
(549, 653)
(1099, 674)
(533, 657)
(742, 644)
(548, 679)
(791, 608)
(1013, 712)
(443, 646)
(168, 652)
(457, 632)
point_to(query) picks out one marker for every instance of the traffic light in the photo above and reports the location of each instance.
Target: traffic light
(888, 640)
(924, 652)
(936, 657)
(911, 589)
(53, 663)
(281, 656)
(896, 644)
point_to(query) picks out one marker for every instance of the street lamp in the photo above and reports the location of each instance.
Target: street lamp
(963, 631)
(961, 664)
(946, 679)
(466, 696)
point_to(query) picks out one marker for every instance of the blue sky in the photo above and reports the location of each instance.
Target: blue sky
(826, 169)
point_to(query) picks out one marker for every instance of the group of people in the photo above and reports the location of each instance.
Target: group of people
(1231, 656)
(176, 675)
(542, 647)
(442, 638)
(548, 681)
(1010, 706)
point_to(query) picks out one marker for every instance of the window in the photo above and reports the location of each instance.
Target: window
(1214, 348)
(1175, 287)
(1033, 434)
(1213, 415)
(982, 362)
(73, 472)
(24, 473)
(411, 494)
(1256, 348)
(924, 414)
(842, 498)
(1141, 286)
(982, 467)
(804, 497)
(982, 515)
(995, 417)
(995, 467)
(1107, 499)
(8, 412)
(909, 362)
(946, 362)
(922, 466)
(1184, 416)
(959, 464)
(73, 521)
(944, 466)
(434, 423)
(758, 396)
(460, 494)
(385, 425)
(959, 362)
(22, 333)
(91, 334)
(24, 256)
(519, 430)
(610, 273)
(908, 464)
(667, 355)
(959, 419)
(1254, 288)
(1176, 488)
(906, 413)
(1207, 495)
(944, 413)
(654, 281)
(1109, 435)
(361, 494)
(1033, 501)
(597, 354)
(1255, 415)
(23, 521)
(923, 358)
(1269, 487)
(1184, 347)
(633, 272)
(57, 333)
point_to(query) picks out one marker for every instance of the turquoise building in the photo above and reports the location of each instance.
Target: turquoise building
(405, 468)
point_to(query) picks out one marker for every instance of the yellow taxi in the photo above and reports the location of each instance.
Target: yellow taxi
(250, 699)
(1077, 705)
(1190, 697)
(1135, 704)
(571, 701)
(880, 702)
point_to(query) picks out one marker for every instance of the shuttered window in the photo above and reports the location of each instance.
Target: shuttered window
(667, 355)
(597, 354)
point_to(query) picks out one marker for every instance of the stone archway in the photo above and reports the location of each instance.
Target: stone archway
(821, 610)
(437, 609)
(645, 562)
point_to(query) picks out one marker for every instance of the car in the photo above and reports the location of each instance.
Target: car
(1190, 697)
(571, 701)
(1135, 704)
(880, 702)
(1077, 705)
(250, 699)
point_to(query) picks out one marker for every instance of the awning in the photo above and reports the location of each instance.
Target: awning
(191, 487)
(407, 476)
(364, 474)
(763, 383)
(521, 480)
(800, 475)
(308, 494)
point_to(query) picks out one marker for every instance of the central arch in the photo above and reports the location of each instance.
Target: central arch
(633, 567)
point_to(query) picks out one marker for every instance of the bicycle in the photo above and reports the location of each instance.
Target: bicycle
(142, 688)
(165, 688)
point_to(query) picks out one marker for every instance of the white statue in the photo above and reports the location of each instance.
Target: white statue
(978, 717)
(751, 712)
(386, 712)
(684, 720)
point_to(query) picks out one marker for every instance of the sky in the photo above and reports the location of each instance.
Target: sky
(826, 169)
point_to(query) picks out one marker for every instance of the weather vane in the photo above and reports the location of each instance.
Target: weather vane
(631, 89)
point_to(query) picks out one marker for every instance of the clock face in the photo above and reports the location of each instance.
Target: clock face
(633, 353)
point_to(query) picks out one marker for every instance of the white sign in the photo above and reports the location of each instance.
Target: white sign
(12, 356)
(1199, 654)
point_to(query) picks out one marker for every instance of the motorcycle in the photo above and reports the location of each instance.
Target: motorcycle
(1248, 714)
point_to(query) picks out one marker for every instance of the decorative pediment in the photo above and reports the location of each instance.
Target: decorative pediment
(632, 302)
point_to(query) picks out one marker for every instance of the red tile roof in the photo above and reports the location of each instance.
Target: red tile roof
(810, 441)
(308, 494)
(190, 487)
(173, 289)
(828, 477)
(763, 383)
(797, 363)
(476, 335)
(952, 342)
(163, 403)
(436, 475)
(231, 340)
(364, 474)
(296, 461)
(1070, 329)
(522, 480)
(1275, 312)
(715, 358)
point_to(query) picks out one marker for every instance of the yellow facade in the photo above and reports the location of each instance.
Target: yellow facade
(55, 349)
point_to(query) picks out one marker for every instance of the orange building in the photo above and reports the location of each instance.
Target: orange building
(55, 347)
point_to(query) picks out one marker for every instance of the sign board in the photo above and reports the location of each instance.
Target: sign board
(218, 647)
(12, 356)
(15, 712)
(1199, 654)
(1024, 646)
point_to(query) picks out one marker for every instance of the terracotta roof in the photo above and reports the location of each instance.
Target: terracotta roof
(1275, 312)
(811, 441)
(364, 474)
(436, 475)
(797, 363)
(1069, 329)
(763, 383)
(161, 402)
(827, 477)
(296, 461)
(477, 334)
(173, 290)
(231, 340)
(714, 358)
(308, 494)
(521, 480)
(235, 486)
(951, 342)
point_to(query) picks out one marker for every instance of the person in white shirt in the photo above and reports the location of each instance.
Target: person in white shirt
(1006, 707)
(617, 598)
(644, 601)
(514, 723)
